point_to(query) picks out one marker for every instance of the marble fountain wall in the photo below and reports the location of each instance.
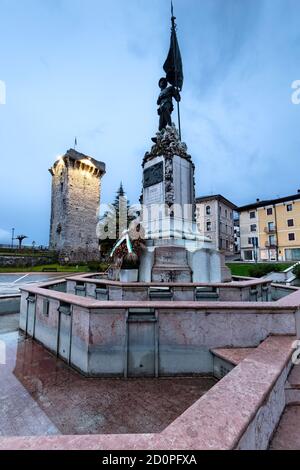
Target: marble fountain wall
(123, 337)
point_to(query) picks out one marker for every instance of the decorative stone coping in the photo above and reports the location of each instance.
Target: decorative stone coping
(292, 299)
(228, 285)
(219, 420)
(89, 303)
(232, 355)
(283, 286)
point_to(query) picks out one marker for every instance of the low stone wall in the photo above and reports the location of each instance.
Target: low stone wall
(253, 290)
(156, 338)
(10, 304)
(24, 261)
(279, 291)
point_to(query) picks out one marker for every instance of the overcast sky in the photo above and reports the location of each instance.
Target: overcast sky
(89, 68)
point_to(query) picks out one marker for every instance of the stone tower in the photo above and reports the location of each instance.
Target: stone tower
(76, 184)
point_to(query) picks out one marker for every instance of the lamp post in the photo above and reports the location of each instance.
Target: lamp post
(12, 237)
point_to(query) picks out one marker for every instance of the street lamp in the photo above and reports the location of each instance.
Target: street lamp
(12, 237)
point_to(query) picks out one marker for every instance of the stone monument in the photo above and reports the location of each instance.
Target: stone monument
(175, 250)
(76, 183)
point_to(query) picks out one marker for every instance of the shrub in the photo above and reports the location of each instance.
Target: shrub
(97, 267)
(296, 271)
(261, 270)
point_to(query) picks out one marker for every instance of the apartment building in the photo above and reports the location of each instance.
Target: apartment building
(215, 220)
(270, 230)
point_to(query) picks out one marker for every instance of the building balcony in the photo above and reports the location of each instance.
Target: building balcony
(270, 230)
(271, 245)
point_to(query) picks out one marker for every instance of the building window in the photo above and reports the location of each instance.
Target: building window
(289, 207)
(272, 240)
(292, 255)
(226, 212)
(271, 227)
(227, 245)
(248, 255)
(290, 223)
(208, 210)
(208, 226)
(250, 241)
(291, 237)
(252, 215)
(253, 228)
(270, 211)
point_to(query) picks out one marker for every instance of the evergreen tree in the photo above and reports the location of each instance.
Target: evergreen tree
(115, 221)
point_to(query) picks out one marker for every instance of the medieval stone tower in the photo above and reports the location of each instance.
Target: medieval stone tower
(76, 185)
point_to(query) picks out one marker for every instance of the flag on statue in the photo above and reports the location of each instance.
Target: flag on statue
(173, 65)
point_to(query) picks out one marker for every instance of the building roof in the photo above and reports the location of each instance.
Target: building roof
(72, 154)
(217, 197)
(269, 202)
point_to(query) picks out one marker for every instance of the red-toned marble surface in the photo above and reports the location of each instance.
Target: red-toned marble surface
(246, 283)
(218, 420)
(40, 395)
(86, 302)
(233, 355)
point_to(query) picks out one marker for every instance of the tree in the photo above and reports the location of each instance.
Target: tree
(21, 238)
(115, 220)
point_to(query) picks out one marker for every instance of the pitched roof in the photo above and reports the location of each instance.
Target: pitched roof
(217, 197)
(269, 202)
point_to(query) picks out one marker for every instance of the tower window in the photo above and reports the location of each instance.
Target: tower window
(208, 210)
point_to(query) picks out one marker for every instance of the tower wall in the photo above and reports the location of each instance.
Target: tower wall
(76, 188)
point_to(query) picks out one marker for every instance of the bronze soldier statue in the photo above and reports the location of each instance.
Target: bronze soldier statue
(165, 103)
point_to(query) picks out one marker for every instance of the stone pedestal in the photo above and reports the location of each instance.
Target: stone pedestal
(171, 265)
(175, 251)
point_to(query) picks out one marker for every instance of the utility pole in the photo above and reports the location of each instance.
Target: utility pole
(12, 238)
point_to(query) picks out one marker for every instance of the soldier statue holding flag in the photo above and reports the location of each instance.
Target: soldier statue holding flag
(165, 103)
(174, 77)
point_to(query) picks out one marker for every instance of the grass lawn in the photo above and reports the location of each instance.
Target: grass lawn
(243, 269)
(39, 269)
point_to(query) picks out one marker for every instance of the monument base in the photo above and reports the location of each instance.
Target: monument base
(182, 261)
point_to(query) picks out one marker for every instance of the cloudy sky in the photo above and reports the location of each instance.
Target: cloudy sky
(89, 68)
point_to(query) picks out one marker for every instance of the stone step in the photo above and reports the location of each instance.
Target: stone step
(292, 396)
(292, 387)
(225, 359)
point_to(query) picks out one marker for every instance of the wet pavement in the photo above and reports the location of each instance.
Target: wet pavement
(41, 395)
(11, 283)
